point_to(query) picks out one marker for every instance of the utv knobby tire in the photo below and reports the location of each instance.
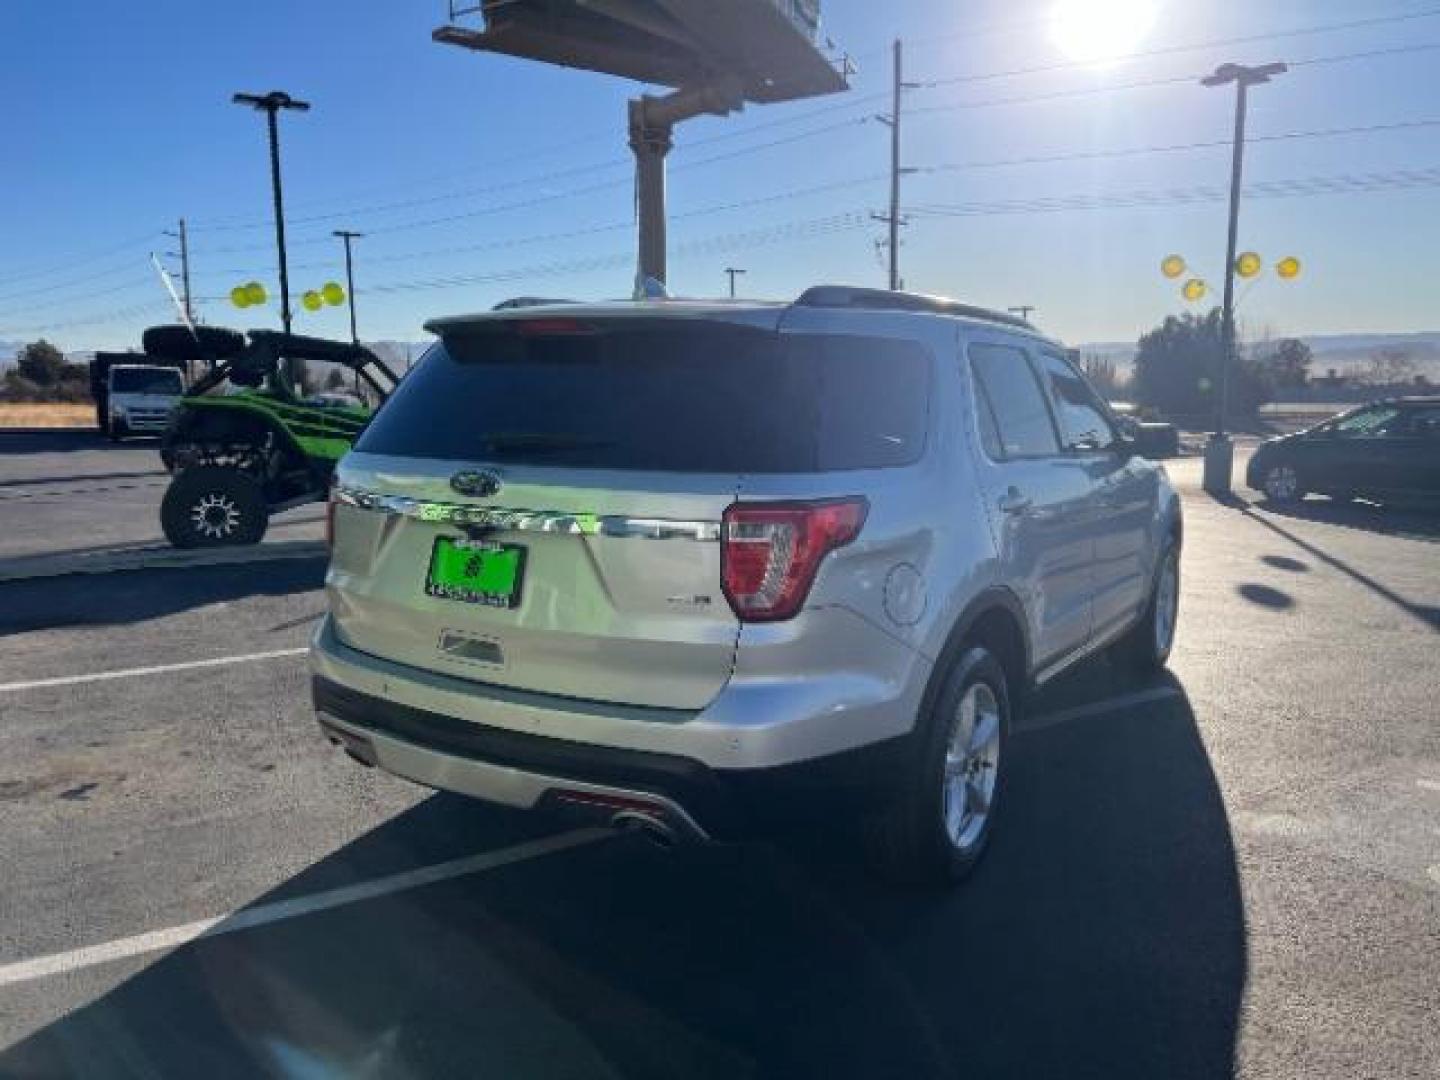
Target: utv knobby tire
(179, 343)
(213, 506)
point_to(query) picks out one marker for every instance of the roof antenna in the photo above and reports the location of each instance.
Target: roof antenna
(649, 288)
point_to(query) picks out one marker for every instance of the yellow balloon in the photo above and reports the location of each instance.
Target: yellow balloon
(1194, 289)
(332, 292)
(1172, 266)
(240, 296)
(1288, 268)
(255, 292)
(312, 301)
(1249, 264)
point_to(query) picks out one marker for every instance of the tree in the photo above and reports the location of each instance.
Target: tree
(1389, 367)
(335, 380)
(1287, 363)
(1100, 370)
(41, 363)
(1177, 370)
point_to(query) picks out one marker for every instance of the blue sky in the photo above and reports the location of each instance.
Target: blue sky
(120, 122)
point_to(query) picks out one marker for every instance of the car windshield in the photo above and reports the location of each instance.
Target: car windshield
(145, 381)
(662, 396)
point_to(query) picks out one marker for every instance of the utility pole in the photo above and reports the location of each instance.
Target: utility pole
(1023, 310)
(732, 271)
(892, 121)
(1220, 452)
(346, 235)
(184, 256)
(271, 104)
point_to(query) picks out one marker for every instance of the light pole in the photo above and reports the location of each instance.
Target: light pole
(1220, 453)
(271, 104)
(733, 272)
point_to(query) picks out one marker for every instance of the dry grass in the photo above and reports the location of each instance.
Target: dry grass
(46, 414)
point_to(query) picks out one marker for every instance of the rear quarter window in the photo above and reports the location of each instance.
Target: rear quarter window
(663, 396)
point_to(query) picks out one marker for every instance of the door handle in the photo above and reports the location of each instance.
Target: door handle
(1012, 502)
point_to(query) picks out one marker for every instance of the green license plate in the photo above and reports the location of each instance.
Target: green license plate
(476, 571)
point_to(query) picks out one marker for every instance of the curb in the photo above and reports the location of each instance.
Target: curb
(158, 557)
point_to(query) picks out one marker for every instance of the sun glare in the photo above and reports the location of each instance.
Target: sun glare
(1100, 31)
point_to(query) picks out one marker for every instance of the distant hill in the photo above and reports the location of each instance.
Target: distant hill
(1345, 353)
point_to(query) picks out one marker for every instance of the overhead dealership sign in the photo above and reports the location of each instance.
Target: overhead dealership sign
(770, 48)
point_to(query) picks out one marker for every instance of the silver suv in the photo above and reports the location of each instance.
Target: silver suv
(705, 568)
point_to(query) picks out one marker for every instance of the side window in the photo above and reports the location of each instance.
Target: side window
(1083, 422)
(1014, 419)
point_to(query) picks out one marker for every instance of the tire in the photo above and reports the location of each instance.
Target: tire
(1146, 645)
(1281, 483)
(177, 343)
(929, 834)
(117, 431)
(212, 506)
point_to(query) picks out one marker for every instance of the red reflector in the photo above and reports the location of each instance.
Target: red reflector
(770, 552)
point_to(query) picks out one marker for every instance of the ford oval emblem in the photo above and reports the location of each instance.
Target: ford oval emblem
(476, 482)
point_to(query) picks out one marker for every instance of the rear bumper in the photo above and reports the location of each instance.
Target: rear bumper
(517, 768)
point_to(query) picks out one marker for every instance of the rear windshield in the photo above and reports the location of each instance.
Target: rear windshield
(676, 398)
(141, 381)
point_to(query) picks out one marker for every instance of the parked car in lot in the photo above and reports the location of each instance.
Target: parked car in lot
(1388, 451)
(700, 568)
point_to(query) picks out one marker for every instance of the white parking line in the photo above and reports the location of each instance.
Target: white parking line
(1099, 708)
(157, 669)
(172, 937)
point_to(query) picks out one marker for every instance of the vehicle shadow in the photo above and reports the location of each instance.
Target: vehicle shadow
(52, 440)
(1426, 614)
(137, 596)
(1414, 524)
(1103, 936)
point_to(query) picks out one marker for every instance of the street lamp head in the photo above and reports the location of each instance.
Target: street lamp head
(276, 99)
(1248, 76)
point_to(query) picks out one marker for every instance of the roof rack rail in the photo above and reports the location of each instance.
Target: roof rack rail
(833, 296)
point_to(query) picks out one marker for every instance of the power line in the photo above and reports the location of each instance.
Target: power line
(851, 104)
(110, 316)
(1343, 184)
(708, 245)
(571, 234)
(1137, 151)
(1173, 50)
(854, 104)
(554, 196)
(61, 301)
(69, 264)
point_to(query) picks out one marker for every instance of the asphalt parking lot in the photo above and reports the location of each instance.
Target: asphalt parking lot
(1230, 870)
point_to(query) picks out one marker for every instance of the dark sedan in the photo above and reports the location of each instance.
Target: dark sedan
(1388, 451)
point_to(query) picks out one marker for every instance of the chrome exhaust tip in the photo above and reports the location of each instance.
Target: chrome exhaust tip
(654, 829)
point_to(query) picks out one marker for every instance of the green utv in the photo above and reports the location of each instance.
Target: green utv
(253, 449)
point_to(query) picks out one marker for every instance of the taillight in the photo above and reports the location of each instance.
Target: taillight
(770, 552)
